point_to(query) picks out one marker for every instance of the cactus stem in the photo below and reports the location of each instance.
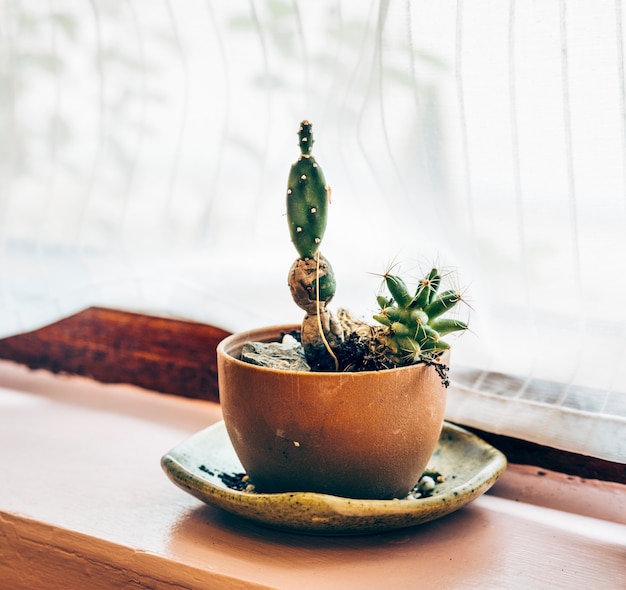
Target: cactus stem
(318, 309)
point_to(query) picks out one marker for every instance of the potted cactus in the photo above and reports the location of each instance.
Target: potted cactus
(365, 419)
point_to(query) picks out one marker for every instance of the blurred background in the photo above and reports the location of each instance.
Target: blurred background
(145, 148)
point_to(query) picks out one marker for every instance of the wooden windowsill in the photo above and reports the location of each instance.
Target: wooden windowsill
(84, 504)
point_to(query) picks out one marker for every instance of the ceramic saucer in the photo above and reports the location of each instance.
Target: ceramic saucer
(205, 463)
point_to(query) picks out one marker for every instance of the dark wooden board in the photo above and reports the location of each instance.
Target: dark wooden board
(164, 355)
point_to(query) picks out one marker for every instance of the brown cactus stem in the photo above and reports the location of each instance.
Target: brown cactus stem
(312, 286)
(322, 328)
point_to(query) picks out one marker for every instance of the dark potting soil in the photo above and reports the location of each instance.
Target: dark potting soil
(355, 354)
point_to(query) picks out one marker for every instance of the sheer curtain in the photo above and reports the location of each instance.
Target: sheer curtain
(145, 147)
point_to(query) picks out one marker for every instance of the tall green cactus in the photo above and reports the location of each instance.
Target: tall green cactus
(311, 278)
(307, 198)
(413, 323)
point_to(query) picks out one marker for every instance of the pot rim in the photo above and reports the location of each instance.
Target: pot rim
(246, 335)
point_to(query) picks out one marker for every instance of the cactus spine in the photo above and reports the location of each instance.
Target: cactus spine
(412, 324)
(311, 277)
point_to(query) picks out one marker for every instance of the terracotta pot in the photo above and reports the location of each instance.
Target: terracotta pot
(359, 435)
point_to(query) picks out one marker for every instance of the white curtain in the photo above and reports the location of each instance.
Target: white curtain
(145, 147)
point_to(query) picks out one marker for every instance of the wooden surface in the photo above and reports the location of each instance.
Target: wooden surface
(178, 357)
(164, 355)
(84, 504)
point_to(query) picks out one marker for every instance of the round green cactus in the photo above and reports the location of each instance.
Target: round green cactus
(412, 323)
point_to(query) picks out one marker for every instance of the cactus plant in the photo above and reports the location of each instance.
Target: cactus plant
(307, 198)
(311, 277)
(411, 325)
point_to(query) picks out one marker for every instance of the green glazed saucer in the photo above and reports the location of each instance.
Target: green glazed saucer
(205, 464)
